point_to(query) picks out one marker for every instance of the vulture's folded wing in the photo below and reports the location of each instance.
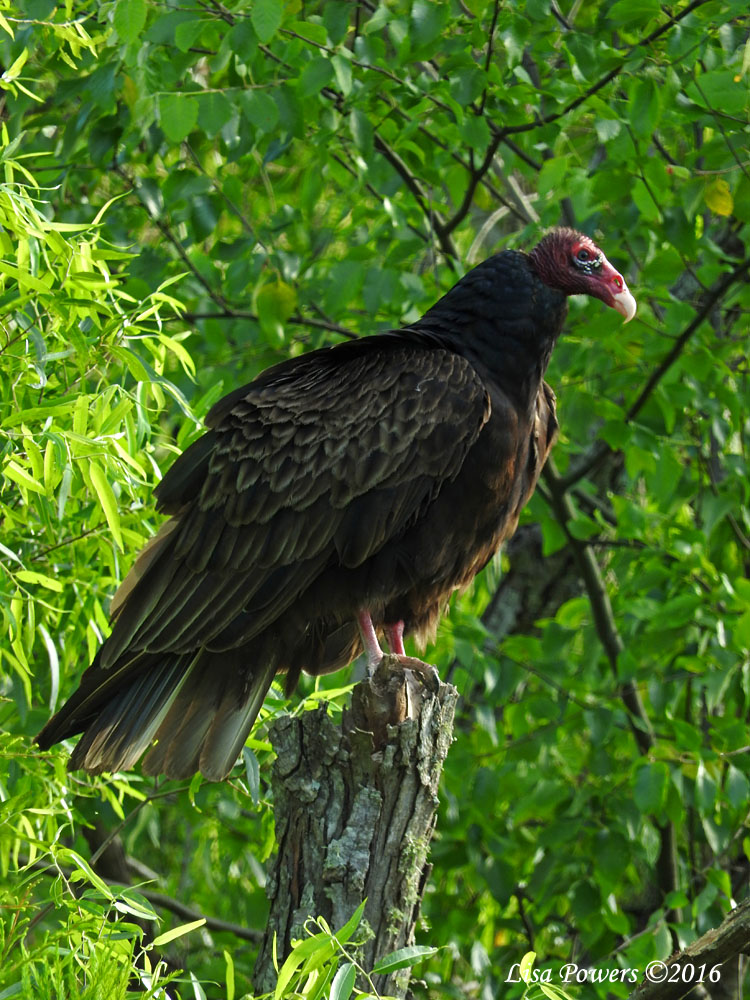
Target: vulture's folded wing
(320, 462)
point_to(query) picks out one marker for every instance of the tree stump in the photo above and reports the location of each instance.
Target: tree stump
(355, 807)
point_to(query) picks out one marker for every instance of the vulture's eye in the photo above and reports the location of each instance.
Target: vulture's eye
(583, 255)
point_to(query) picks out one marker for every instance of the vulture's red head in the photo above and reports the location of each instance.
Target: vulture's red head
(574, 264)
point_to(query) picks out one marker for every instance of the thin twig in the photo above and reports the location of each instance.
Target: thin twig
(488, 54)
(476, 176)
(166, 231)
(297, 320)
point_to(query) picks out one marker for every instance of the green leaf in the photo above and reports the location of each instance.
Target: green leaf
(31, 576)
(252, 773)
(177, 932)
(427, 22)
(26, 282)
(643, 106)
(178, 115)
(404, 957)
(552, 173)
(352, 924)
(475, 132)
(10, 554)
(705, 790)
(318, 948)
(538, 9)
(645, 202)
(553, 992)
(343, 982)
(106, 500)
(316, 74)
(467, 84)
(133, 911)
(742, 630)
(526, 965)
(19, 475)
(260, 110)
(66, 854)
(198, 992)
(214, 112)
(64, 492)
(607, 128)
(130, 19)
(634, 13)
(134, 903)
(650, 787)
(311, 31)
(187, 33)
(229, 975)
(721, 89)
(343, 70)
(573, 613)
(266, 16)
(719, 197)
(362, 132)
(275, 303)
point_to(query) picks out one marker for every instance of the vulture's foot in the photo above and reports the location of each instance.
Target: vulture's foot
(393, 693)
(427, 674)
(378, 661)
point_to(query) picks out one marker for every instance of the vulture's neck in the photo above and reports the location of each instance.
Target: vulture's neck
(503, 319)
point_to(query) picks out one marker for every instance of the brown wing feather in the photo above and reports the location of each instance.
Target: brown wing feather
(303, 472)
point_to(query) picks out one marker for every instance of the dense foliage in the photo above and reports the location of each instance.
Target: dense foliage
(194, 190)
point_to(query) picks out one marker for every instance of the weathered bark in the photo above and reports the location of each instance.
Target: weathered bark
(354, 817)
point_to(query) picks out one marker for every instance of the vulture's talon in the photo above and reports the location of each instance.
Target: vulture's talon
(431, 679)
(427, 674)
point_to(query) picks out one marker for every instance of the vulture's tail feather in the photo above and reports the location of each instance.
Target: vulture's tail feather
(129, 720)
(199, 718)
(211, 717)
(231, 725)
(209, 721)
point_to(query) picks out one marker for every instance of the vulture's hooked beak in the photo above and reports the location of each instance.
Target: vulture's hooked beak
(624, 303)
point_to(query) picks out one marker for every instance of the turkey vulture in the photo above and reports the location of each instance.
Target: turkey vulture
(340, 494)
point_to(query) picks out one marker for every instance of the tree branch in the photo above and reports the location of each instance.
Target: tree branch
(441, 230)
(600, 449)
(601, 608)
(609, 636)
(709, 301)
(602, 81)
(717, 946)
(165, 230)
(477, 173)
(488, 53)
(188, 913)
(164, 902)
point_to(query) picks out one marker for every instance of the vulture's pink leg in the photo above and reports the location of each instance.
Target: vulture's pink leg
(370, 641)
(395, 636)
